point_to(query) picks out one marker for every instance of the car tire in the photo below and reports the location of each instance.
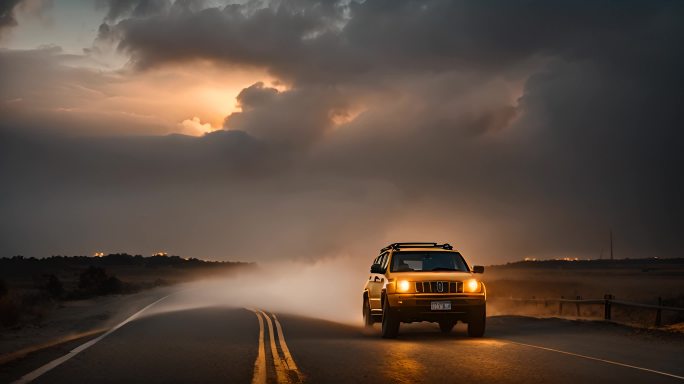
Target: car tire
(390, 322)
(367, 317)
(446, 325)
(477, 321)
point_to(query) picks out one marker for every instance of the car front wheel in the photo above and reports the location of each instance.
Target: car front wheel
(390, 322)
(476, 323)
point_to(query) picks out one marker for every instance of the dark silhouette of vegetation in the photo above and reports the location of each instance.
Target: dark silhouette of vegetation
(30, 287)
(9, 313)
(3, 288)
(95, 281)
(53, 286)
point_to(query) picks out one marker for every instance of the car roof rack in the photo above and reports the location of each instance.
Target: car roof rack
(397, 246)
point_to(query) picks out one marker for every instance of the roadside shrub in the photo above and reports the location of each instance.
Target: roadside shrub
(95, 281)
(34, 306)
(52, 286)
(111, 285)
(9, 311)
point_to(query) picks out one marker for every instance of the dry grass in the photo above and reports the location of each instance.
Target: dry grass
(634, 283)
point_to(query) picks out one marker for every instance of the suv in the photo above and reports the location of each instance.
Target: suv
(412, 282)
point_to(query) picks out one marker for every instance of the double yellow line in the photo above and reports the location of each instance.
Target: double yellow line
(284, 365)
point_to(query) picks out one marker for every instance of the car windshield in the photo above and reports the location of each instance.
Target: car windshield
(426, 261)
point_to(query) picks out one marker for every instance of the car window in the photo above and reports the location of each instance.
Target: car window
(383, 261)
(426, 261)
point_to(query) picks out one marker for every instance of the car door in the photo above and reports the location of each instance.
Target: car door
(376, 282)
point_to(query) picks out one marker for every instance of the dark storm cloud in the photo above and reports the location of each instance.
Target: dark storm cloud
(332, 42)
(291, 118)
(515, 129)
(117, 9)
(241, 34)
(7, 19)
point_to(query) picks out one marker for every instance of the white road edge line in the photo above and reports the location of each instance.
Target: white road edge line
(27, 378)
(286, 351)
(598, 359)
(281, 376)
(259, 376)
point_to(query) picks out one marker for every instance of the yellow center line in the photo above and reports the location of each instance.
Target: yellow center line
(285, 366)
(281, 376)
(259, 376)
(286, 351)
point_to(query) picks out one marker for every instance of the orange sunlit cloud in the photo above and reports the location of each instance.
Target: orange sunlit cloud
(195, 127)
(189, 101)
(172, 99)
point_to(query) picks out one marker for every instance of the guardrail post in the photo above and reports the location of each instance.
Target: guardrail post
(578, 305)
(659, 311)
(607, 297)
(560, 306)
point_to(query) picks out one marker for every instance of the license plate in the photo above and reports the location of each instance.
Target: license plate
(440, 305)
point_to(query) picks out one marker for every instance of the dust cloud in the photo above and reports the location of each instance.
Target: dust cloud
(329, 289)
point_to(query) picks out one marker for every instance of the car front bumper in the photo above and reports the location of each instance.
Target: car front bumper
(412, 307)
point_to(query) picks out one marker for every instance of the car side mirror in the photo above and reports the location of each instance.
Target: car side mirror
(478, 269)
(376, 268)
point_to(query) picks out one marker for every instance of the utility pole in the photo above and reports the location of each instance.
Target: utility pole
(611, 244)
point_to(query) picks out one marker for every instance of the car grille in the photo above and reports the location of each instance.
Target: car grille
(438, 287)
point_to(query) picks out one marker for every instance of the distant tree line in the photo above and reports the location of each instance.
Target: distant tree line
(10, 266)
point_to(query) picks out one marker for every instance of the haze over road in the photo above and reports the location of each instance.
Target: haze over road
(174, 342)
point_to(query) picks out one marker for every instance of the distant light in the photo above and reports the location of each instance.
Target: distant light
(98, 254)
(160, 254)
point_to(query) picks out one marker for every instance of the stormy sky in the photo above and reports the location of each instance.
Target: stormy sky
(269, 130)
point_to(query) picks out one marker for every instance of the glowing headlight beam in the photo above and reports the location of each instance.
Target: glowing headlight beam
(403, 286)
(472, 285)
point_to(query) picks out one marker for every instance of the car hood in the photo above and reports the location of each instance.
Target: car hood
(433, 276)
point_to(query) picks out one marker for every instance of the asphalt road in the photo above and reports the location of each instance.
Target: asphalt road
(168, 343)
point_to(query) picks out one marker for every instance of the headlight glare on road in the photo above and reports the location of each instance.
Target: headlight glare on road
(471, 286)
(402, 286)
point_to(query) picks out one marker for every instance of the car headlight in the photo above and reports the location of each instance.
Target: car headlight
(403, 286)
(471, 286)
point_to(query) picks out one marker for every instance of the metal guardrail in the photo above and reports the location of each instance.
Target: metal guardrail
(608, 302)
